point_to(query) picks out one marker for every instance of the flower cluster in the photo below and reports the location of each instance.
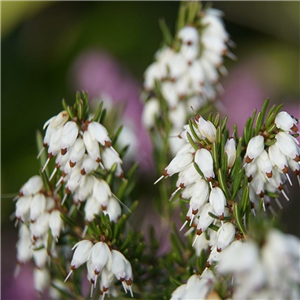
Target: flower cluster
(38, 213)
(188, 75)
(85, 163)
(199, 183)
(269, 272)
(104, 263)
(267, 166)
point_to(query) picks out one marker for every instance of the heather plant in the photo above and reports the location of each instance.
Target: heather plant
(218, 191)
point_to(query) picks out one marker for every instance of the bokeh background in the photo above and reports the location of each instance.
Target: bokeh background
(52, 49)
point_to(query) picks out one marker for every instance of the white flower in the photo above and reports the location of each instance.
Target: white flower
(37, 206)
(207, 129)
(189, 35)
(111, 157)
(230, 150)
(24, 246)
(226, 235)
(55, 142)
(278, 158)
(92, 146)
(76, 152)
(150, 112)
(201, 244)
(178, 294)
(41, 279)
(58, 121)
(99, 133)
(55, 223)
(199, 196)
(285, 122)
(204, 161)
(99, 256)
(217, 200)
(264, 163)
(40, 256)
(113, 209)
(88, 165)
(40, 226)
(23, 208)
(102, 192)
(287, 145)
(92, 207)
(32, 186)
(204, 218)
(81, 253)
(168, 90)
(178, 163)
(69, 136)
(255, 148)
(85, 188)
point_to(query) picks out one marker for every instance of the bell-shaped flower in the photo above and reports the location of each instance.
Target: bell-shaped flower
(76, 152)
(107, 278)
(188, 191)
(178, 163)
(55, 223)
(74, 179)
(55, 142)
(111, 157)
(168, 90)
(188, 176)
(226, 235)
(37, 206)
(91, 276)
(150, 112)
(217, 200)
(40, 256)
(85, 189)
(32, 186)
(207, 129)
(88, 165)
(278, 158)
(188, 35)
(69, 136)
(118, 265)
(204, 161)
(250, 170)
(264, 163)
(177, 115)
(40, 226)
(99, 133)
(255, 148)
(23, 208)
(92, 207)
(190, 53)
(286, 122)
(153, 72)
(201, 244)
(211, 74)
(41, 279)
(50, 203)
(199, 196)
(91, 146)
(102, 192)
(99, 256)
(204, 219)
(59, 120)
(258, 183)
(230, 150)
(113, 209)
(81, 253)
(196, 73)
(24, 245)
(288, 145)
(178, 294)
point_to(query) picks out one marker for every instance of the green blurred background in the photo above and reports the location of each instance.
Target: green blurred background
(41, 41)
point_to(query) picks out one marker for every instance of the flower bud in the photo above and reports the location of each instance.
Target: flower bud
(255, 148)
(207, 129)
(92, 207)
(285, 122)
(23, 208)
(204, 161)
(81, 254)
(92, 146)
(230, 150)
(288, 145)
(99, 255)
(178, 163)
(99, 133)
(88, 165)
(264, 164)
(69, 136)
(226, 235)
(101, 191)
(59, 120)
(217, 200)
(110, 158)
(113, 209)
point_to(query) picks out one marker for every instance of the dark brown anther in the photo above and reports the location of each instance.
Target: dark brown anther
(252, 205)
(103, 207)
(121, 175)
(96, 272)
(182, 185)
(73, 268)
(221, 218)
(208, 264)
(21, 194)
(165, 173)
(269, 175)
(190, 62)
(72, 164)
(297, 172)
(107, 143)
(122, 279)
(219, 250)
(92, 281)
(297, 158)
(104, 289)
(248, 159)
(294, 128)
(101, 293)
(250, 178)
(285, 169)
(280, 187)
(98, 160)
(188, 219)
(194, 211)
(64, 174)
(82, 172)
(35, 238)
(197, 117)
(194, 225)
(199, 231)
(189, 43)
(67, 191)
(173, 79)
(261, 194)
(63, 151)
(129, 281)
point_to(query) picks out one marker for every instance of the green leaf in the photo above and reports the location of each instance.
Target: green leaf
(198, 170)
(245, 201)
(239, 173)
(40, 146)
(223, 123)
(191, 141)
(238, 218)
(215, 156)
(166, 32)
(103, 115)
(271, 128)
(70, 112)
(259, 122)
(195, 135)
(216, 120)
(80, 110)
(181, 16)
(222, 182)
(98, 113)
(272, 195)
(264, 108)
(45, 179)
(64, 104)
(117, 134)
(271, 142)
